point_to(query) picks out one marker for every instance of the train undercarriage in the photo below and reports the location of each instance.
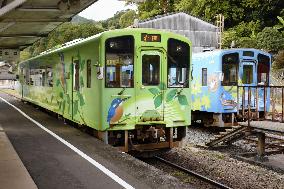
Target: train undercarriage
(144, 138)
(209, 119)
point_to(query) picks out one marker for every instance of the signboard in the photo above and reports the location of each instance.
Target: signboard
(150, 37)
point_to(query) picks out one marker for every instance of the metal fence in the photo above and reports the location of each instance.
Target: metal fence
(250, 98)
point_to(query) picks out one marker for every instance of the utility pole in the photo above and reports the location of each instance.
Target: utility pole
(220, 29)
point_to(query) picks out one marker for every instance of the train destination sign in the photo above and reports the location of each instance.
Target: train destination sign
(150, 37)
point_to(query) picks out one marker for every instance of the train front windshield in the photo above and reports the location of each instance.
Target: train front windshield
(178, 64)
(119, 62)
(230, 64)
(263, 69)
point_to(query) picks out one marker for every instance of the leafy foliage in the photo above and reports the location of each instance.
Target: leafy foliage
(182, 100)
(244, 35)
(270, 39)
(158, 100)
(64, 33)
(153, 8)
(121, 19)
(171, 95)
(127, 18)
(235, 11)
(154, 91)
(279, 60)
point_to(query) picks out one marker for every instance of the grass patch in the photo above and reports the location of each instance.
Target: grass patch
(178, 174)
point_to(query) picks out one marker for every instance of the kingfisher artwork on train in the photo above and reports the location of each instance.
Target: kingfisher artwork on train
(131, 86)
(220, 81)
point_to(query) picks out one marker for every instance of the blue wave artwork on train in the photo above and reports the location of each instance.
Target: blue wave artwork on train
(216, 76)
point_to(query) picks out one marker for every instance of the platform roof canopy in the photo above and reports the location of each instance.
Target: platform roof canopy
(22, 22)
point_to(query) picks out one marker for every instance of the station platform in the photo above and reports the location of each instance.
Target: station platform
(269, 126)
(13, 174)
(59, 156)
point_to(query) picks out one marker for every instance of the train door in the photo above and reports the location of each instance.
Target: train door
(248, 74)
(248, 77)
(263, 70)
(76, 91)
(150, 86)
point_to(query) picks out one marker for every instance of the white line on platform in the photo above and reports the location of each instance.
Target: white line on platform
(79, 152)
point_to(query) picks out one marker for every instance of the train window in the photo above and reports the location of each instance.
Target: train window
(76, 75)
(31, 82)
(248, 53)
(230, 63)
(27, 76)
(36, 77)
(178, 63)
(43, 81)
(150, 70)
(204, 76)
(263, 69)
(89, 73)
(247, 74)
(49, 76)
(119, 62)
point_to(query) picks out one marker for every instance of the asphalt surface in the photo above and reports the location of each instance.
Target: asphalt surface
(52, 164)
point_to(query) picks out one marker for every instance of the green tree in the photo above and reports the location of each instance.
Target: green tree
(235, 11)
(127, 19)
(279, 60)
(113, 23)
(64, 33)
(25, 54)
(244, 35)
(280, 26)
(270, 39)
(151, 8)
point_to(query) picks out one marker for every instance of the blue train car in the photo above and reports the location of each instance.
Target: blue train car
(216, 98)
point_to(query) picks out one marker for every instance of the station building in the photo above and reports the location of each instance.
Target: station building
(7, 78)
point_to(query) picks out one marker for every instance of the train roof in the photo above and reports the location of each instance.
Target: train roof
(220, 52)
(81, 41)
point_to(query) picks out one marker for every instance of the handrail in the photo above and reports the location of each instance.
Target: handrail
(250, 96)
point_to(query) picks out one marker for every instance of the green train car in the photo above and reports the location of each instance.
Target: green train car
(131, 86)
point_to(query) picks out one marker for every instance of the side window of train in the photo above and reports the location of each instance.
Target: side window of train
(49, 76)
(76, 81)
(178, 63)
(37, 76)
(27, 76)
(204, 76)
(247, 74)
(43, 76)
(31, 76)
(151, 70)
(119, 65)
(263, 69)
(89, 73)
(230, 64)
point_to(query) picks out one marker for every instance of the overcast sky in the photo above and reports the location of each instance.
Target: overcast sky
(104, 9)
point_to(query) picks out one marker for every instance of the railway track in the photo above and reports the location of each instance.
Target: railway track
(192, 173)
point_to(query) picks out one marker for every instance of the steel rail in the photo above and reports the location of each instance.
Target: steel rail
(197, 175)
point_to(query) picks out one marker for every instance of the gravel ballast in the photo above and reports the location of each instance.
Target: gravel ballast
(225, 169)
